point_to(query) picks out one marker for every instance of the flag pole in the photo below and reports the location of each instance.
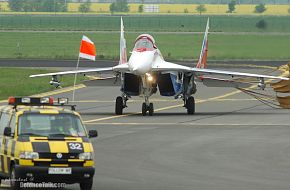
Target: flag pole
(87, 51)
(75, 80)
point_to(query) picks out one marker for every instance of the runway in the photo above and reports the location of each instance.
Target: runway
(232, 142)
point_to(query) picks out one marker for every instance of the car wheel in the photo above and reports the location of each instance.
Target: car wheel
(87, 185)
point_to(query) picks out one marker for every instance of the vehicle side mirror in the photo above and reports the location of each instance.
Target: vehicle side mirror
(93, 133)
(7, 131)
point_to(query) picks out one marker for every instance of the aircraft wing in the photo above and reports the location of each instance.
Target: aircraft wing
(199, 71)
(119, 68)
(167, 66)
(218, 82)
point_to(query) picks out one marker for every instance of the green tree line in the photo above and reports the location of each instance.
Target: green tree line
(199, 1)
(38, 5)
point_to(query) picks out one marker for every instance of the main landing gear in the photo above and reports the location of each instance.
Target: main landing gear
(189, 104)
(120, 104)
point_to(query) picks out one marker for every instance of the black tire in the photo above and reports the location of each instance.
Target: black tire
(190, 105)
(144, 109)
(14, 179)
(151, 109)
(87, 185)
(119, 106)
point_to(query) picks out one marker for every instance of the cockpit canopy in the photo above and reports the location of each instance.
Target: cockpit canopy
(144, 42)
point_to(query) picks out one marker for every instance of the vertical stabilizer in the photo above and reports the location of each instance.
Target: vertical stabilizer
(203, 54)
(123, 50)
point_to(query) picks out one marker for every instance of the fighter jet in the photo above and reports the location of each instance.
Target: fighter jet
(146, 73)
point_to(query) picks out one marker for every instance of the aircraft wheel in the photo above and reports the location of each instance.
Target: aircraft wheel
(151, 109)
(190, 105)
(144, 109)
(119, 106)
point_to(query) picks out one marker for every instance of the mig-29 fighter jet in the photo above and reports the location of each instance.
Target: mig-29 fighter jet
(146, 73)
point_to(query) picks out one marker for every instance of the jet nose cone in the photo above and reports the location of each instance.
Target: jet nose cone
(141, 62)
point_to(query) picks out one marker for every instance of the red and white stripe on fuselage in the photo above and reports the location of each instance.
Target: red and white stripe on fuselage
(123, 56)
(123, 49)
(203, 53)
(203, 58)
(202, 62)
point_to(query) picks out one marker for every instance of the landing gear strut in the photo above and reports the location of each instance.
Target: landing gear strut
(147, 107)
(120, 104)
(190, 105)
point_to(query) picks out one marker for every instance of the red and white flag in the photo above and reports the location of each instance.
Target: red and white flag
(87, 49)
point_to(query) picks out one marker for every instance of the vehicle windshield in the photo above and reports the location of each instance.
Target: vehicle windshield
(144, 44)
(51, 125)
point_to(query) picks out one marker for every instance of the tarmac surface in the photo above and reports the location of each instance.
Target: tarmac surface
(232, 142)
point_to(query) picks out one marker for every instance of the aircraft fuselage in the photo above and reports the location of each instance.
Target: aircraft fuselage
(141, 63)
(143, 55)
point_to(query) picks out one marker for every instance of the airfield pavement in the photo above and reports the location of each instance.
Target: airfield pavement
(232, 142)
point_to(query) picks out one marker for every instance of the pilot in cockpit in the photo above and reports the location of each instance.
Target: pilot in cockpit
(144, 44)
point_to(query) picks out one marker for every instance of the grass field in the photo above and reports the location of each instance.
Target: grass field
(64, 45)
(16, 82)
(144, 23)
(179, 8)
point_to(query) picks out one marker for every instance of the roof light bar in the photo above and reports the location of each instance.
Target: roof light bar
(25, 100)
(11, 100)
(62, 101)
(51, 101)
(44, 100)
(30, 101)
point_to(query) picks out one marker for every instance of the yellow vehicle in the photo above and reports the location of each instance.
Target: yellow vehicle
(42, 142)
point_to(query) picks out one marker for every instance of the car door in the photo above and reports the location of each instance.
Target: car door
(4, 122)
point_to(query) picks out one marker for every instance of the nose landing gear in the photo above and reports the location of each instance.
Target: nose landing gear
(147, 107)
